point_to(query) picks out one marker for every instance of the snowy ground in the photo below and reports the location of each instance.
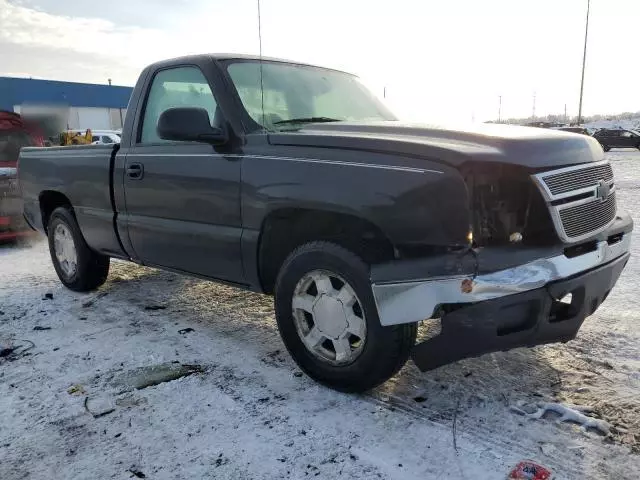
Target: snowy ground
(248, 413)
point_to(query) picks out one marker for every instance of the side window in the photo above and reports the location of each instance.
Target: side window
(175, 87)
(627, 134)
(106, 139)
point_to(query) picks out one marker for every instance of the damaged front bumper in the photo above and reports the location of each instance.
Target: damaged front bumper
(518, 305)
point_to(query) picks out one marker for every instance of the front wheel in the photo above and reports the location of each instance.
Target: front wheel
(606, 148)
(328, 320)
(78, 267)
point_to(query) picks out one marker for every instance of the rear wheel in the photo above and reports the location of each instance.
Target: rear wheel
(78, 267)
(329, 322)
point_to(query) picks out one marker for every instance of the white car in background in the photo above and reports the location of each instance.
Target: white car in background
(104, 137)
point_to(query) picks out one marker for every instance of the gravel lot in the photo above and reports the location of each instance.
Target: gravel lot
(82, 395)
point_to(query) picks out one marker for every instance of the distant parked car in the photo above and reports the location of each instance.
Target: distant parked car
(580, 130)
(617, 138)
(105, 138)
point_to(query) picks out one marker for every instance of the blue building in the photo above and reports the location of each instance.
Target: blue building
(75, 105)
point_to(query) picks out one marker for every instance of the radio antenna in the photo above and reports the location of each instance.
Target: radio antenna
(261, 77)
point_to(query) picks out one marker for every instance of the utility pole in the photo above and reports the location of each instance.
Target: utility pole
(565, 113)
(384, 92)
(584, 61)
(533, 113)
(499, 108)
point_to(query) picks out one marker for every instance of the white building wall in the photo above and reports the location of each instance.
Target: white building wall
(79, 118)
(88, 117)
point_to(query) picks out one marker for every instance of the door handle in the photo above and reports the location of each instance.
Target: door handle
(135, 171)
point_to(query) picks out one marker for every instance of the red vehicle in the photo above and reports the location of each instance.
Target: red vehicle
(15, 133)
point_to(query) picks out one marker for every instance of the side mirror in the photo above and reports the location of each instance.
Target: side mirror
(189, 124)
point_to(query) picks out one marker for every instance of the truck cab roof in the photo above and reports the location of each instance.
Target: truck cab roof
(235, 56)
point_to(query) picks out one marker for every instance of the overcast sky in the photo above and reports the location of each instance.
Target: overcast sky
(439, 60)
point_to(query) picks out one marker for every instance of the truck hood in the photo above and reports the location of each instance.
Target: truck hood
(535, 148)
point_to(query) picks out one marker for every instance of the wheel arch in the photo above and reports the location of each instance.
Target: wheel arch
(50, 200)
(285, 229)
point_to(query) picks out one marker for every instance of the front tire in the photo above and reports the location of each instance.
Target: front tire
(78, 267)
(606, 148)
(329, 322)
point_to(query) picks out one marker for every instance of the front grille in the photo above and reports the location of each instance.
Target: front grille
(578, 179)
(580, 199)
(582, 219)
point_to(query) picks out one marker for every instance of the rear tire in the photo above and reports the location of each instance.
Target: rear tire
(78, 267)
(606, 148)
(341, 359)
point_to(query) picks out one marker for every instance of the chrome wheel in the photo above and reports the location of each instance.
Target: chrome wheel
(329, 317)
(65, 249)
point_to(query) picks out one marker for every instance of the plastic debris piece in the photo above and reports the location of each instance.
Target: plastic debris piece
(76, 390)
(529, 470)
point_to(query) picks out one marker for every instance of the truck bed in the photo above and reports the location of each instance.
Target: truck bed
(82, 173)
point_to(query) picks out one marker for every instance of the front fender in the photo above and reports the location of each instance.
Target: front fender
(422, 206)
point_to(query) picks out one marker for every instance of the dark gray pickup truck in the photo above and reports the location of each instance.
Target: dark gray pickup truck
(293, 180)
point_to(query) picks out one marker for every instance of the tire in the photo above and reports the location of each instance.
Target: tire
(371, 360)
(90, 269)
(606, 148)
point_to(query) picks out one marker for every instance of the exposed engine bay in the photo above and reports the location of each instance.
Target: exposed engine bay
(507, 208)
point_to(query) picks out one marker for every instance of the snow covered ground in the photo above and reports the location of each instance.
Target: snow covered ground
(70, 409)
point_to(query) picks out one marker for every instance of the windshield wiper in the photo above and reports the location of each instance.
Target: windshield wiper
(307, 120)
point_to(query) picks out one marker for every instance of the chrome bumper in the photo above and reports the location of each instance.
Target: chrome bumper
(413, 301)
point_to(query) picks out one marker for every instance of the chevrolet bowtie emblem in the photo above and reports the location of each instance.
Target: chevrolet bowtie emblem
(603, 190)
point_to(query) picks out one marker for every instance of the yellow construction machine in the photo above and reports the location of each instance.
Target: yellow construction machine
(75, 137)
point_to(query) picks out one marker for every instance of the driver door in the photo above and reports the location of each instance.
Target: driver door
(183, 198)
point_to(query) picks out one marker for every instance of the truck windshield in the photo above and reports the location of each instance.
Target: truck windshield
(298, 94)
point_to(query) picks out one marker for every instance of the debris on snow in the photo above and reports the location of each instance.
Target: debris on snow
(76, 390)
(136, 473)
(568, 413)
(40, 328)
(6, 351)
(152, 375)
(528, 470)
(99, 406)
(184, 331)
(90, 303)
(10, 350)
(155, 307)
(48, 296)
